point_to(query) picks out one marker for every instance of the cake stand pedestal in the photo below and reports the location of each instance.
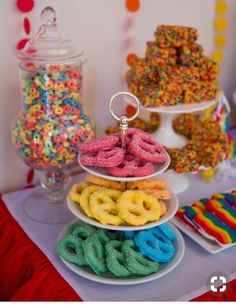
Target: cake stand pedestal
(166, 136)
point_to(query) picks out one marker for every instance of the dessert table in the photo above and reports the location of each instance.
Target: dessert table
(31, 270)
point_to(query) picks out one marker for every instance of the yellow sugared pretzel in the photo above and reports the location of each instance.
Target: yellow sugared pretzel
(163, 208)
(103, 205)
(76, 190)
(85, 199)
(138, 208)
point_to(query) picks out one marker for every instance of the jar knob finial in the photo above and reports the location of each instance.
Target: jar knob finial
(48, 16)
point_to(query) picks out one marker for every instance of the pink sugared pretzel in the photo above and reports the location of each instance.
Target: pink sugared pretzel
(89, 159)
(130, 133)
(110, 158)
(143, 169)
(135, 160)
(97, 144)
(125, 169)
(132, 167)
(145, 148)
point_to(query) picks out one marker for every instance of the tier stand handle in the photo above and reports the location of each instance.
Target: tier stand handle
(124, 120)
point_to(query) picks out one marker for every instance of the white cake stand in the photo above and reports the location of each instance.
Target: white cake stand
(166, 136)
(165, 133)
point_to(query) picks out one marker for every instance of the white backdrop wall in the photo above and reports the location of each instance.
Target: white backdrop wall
(97, 26)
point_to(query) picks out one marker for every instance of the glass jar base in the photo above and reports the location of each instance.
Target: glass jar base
(39, 209)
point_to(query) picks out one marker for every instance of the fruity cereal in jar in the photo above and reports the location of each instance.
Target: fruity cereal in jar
(52, 121)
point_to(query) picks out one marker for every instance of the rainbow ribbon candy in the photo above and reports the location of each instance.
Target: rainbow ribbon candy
(223, 210)
(189, 215)
(229, 197)
(180, 215)
(201, 204)
(214, 227)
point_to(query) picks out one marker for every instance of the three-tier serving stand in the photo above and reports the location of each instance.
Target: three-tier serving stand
(171, 204)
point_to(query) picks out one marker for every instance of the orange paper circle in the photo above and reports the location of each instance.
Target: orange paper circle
(220, 40)
(220, 24)
(130, 110)
(131, 57)
(221, 7)
(132, 5)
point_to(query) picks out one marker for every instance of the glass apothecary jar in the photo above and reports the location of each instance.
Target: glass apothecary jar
(52, 121)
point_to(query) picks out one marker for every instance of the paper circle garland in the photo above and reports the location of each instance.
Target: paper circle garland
(132, 5)
(25, 6)
(221, 7)
(26, 23)
(220, 24)
(131, 57)
(21, 44)
(220, 40)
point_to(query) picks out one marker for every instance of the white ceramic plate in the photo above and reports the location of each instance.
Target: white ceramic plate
(171, 204)
(209, 245)
(108, 278)
(182, 108)
(102, 172)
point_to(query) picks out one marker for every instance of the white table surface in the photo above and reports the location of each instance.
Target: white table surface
(188, 280)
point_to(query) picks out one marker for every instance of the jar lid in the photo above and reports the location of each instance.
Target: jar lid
(49, 45)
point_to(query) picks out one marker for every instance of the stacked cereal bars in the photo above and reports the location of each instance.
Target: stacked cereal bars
(174, 70)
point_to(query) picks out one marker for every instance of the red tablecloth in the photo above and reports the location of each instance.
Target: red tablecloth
(27, 275)
(25, 272)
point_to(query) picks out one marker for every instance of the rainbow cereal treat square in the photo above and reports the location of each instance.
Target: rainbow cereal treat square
(199, 91)
(154, 95)
(134, 88)
(156, 55)
(213, 154)
(192, 92)
(184, 160)
(177, 74)
(209, 90)
(208, 70)
(175, 36)
(190, 55)
(132, 78)
(141, 73)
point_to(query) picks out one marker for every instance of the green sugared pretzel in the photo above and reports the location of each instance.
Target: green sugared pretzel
(95, 254)
(135, 261)
(70, 249)
(78, 224)
(115, 259)
(103, 236)
(83, 230)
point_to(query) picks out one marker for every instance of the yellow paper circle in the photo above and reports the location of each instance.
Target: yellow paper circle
(218, 56)
(220, 41)
(220, 24)
(221, 7)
